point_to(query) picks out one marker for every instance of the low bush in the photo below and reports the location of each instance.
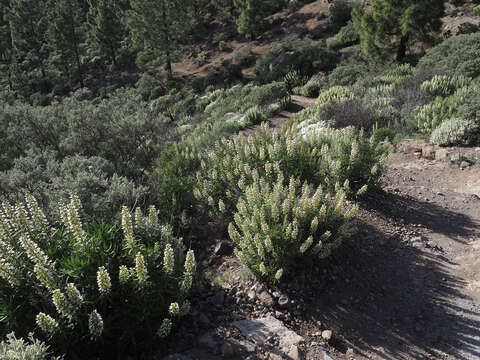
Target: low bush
(292, 52)
(19, 349)
(244, 58)
(294, 79)
(282, 227)
(50, 181)
(254, 116)
(456, 131)
(455, 55)
(339, 13)
(383, 134)
(433, 114)
(91, 289)
(334, 94)
(347, 113)
(224, 76)
(347, 36)
(443, 85)
(347, 74)
(307, 151)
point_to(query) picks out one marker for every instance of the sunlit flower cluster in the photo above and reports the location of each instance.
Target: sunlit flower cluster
(308, 225)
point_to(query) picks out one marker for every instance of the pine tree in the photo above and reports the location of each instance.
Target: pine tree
(156, 26)
(251, 14)
(6, 48)
(66, 35)
(28, 27)
(106, 29)
(390, 26)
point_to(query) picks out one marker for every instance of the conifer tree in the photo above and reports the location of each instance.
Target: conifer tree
(390, 26)
(66, 35)
(250, 18)
(28, 27)
(106, 29)
(6, 50)
(156, 26)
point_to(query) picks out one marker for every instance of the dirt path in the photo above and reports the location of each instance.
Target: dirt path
(298, 104)
(405, 286)
(414, 292)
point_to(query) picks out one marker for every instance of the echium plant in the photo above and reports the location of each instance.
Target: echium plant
(316, 154)
(75, 283)
(278, 227)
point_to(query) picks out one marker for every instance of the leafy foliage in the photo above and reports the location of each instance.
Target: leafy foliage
(339, 13)
(278, 227)
(389, 26)
(347, 36)
(445, 85)
(92, 281)
(294, 53)
(456, 132)
(19, 349)
(458, 55)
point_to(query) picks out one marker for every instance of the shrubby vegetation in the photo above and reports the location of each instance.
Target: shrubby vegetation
(303, 55)
(458, 55)
(92, 283)
(19, 349)
(278, 227)
(155, 160)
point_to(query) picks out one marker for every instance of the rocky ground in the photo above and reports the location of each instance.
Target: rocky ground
(406, 286)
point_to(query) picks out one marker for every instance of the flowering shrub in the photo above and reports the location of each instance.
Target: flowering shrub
(443, 85)
(433, 114)
(95, 284)
(456, 132)
(335, 94)
(277, 226)
(18, 349)
(309, 151)
(294, 79)
(254, 116)
(396, 75)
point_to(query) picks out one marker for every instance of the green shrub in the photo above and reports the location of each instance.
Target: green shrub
(50, 181)
(279, 228)
(383, 134)
(91, 289)
(307, 151)
(292, 52)
(456, 131)
(347, 74)
(433, 114)
(294, 79)
(347, 113)
(175, 174)
(443, 85)
(333, 94)
(347, 36)
(452, 54)
(244, 58)
(339, 13)
(254, 116)
(476, 11)
(18, 349)
(146, 86)
(225, 75)
(312, 90)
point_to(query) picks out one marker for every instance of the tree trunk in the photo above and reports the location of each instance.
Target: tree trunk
(402, 48)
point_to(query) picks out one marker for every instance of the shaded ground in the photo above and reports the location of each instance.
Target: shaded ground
(406, 286)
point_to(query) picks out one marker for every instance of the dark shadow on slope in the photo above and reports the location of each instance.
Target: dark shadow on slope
(381, 295)
(408, 210)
